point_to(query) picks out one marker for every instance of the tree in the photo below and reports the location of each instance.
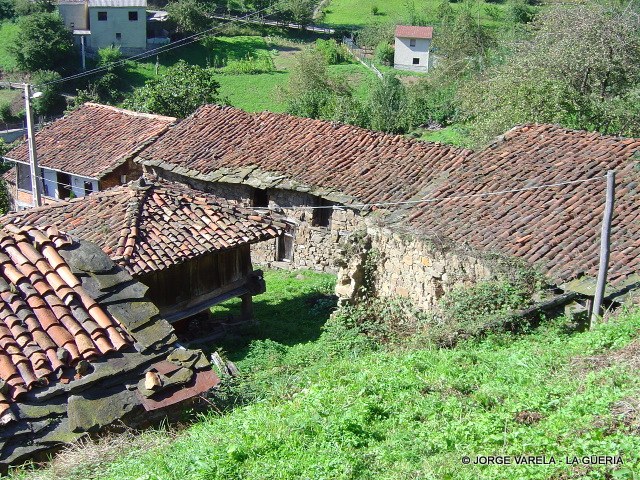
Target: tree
(51, 101)
(190, 16)
(462, 43)
(27, 7)
(178, 92)
(387, 105)
(43, 43)
(579, 68)
(298, 11)
(310, 89)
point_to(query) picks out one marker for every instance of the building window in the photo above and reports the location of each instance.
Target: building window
(102, 16)
(118, 37)
(123, 179)
(322, 216)
(260, 198)
(416, 61)
(23, 174)
(284, 247)
(412, 42)
(88, 187)
(133, 16)
(64, 185)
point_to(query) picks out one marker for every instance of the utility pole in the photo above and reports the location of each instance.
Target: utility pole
(82, 48)
(605, 243)
(33, 158)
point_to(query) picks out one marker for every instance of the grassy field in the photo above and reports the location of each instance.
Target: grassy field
(358, 13)
(324, 402)
(250, 92)
(8, 32)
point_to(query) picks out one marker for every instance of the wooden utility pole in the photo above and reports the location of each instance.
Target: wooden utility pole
(605, 243)
(33, 157)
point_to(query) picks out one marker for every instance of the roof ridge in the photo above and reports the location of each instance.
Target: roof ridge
(133, 113)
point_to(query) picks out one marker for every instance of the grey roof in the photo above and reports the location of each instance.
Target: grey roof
(117, 3)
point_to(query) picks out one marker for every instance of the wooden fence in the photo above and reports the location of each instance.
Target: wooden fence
(362, 55)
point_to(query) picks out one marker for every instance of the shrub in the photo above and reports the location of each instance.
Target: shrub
(51, 101)
(384, 53)
(375, 10)
(333, 52)
(519, 12)
(5, 112)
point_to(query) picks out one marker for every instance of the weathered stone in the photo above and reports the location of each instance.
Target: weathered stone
(133, 315)
(152, 381)
(43, 410)
(155, 334)
(193, 359)
(92, 412)
(86, 257)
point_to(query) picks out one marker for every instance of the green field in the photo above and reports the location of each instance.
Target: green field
(321, 401)
(8, 32)
(358, 13)
(250, 92)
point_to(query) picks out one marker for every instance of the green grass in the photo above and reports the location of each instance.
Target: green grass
(250, 92)
(358, 13)
(330, 404)
(451, 135)
(8, 33)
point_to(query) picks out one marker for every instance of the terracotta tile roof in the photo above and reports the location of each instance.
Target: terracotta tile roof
(364, 165)
(47, 319)
(155, 226)
(93, 140)
(407, 31)
(557, 228)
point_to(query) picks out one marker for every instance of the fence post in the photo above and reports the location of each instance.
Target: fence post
(605, 244)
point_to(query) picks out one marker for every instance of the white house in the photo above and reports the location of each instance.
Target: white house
(102, 23)
(412, 48)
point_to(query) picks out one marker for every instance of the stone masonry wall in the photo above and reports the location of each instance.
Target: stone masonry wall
(412, 267)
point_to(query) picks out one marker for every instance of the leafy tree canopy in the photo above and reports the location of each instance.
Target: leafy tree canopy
(178, 92)
(43, 44)
(578, 68)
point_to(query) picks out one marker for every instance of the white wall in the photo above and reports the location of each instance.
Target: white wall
(405, 53)
(50, 183)
(103, 33)
(74, 15)
(77, 184)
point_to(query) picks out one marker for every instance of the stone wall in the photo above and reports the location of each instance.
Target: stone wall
(400, 264)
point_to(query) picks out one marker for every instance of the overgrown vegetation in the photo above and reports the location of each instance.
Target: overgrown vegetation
(337, 403)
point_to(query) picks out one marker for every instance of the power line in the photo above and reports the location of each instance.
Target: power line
(156, 51)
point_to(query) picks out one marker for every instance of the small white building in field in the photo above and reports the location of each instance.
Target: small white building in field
(104, 23)
(412, 48)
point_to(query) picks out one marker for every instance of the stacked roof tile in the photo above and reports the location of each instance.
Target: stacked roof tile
(365, 165)
(47, 319)
(558, 228)
(93, 140)
(149, 227)
(408, 31)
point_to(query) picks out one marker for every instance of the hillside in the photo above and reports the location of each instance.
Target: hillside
(336, 404)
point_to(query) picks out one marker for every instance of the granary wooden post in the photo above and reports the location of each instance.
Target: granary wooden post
(246, 310)
(605, 242)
